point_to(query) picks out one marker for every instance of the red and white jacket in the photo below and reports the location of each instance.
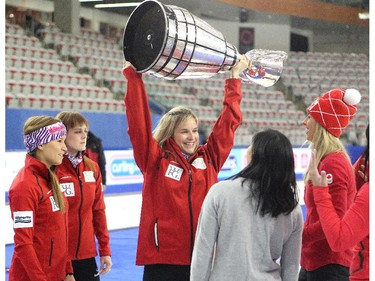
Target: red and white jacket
(41, 230)
(316, 251)
(174, 187)
(87, 218)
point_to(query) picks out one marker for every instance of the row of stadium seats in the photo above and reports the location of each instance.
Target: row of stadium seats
(68, 77)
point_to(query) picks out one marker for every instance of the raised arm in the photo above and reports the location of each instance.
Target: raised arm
(341, 233)
(139, 117)
(220, 141)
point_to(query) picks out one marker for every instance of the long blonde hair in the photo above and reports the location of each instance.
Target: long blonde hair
(170, 121)
(35, 123)
(72, 119)
(325, 143)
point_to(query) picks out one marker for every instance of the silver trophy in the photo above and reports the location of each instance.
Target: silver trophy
(169, 42)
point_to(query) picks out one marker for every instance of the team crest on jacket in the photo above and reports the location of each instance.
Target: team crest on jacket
(199, 164)
(174, 172)
(329, 178)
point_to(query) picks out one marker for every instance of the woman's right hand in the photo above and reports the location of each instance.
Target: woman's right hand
(127, 64)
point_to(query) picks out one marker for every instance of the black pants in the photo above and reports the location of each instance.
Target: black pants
(329, 272)
(166, 272)
(85, 270)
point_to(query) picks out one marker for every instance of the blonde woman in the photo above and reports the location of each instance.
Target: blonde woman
(178, 173)
(327, 118)
(352, 230)
(38, 207)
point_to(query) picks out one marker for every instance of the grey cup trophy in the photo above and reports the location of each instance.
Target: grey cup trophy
(169, 42)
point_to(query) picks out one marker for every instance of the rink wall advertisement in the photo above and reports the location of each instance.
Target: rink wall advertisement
(124, 176)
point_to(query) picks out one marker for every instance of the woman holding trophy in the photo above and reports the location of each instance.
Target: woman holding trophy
(177, 173)
(169, 42)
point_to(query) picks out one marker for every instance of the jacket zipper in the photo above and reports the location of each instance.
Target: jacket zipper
(156, 238)
(191, 215)
(51, 252)
(79, 214)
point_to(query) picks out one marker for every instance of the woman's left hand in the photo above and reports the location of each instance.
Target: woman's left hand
(69, 278)
(242, 63)
(316, 178)
(105, 264)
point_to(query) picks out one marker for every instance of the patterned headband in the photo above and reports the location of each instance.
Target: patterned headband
(44, 135)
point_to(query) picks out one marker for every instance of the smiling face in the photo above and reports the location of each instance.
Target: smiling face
(52, 153)
(310, 125)
(186, 136)
(76, 139)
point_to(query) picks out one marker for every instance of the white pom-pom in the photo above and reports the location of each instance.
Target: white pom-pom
(351, 97)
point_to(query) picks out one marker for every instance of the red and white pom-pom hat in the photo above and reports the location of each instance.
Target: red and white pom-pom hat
(335, 109)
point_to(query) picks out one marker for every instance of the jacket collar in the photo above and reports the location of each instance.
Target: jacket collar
(37, 166)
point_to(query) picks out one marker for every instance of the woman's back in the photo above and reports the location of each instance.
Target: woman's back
(249, 246)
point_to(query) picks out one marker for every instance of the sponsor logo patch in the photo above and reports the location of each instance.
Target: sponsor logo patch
(174, 172)
(55, 207)
(199, 164)
(68, 189)
(89, 176)
(23, 219)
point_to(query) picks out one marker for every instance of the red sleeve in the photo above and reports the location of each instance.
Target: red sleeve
(139, 120)
(344, 233)
(26, 200)
(341, 172)
(69, 267)
(220, 142)
(100, 219)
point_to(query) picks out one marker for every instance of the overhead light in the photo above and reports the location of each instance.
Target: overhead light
(363, 16)
(117, 5)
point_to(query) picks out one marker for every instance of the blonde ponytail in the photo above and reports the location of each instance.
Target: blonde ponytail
(57, 194)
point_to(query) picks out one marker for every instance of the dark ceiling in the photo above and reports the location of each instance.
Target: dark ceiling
(221, 11)
(194, 4)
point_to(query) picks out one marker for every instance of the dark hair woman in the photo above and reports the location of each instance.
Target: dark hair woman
(250, 226)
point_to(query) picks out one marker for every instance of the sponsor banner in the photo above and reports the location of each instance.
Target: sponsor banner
(14, 161)
(234, 163)
(301, 160)
(122, 169)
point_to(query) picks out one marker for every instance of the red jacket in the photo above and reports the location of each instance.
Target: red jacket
(315, 249)
(350, 231)
(40, 240)
(87, 218)
(174, 188)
